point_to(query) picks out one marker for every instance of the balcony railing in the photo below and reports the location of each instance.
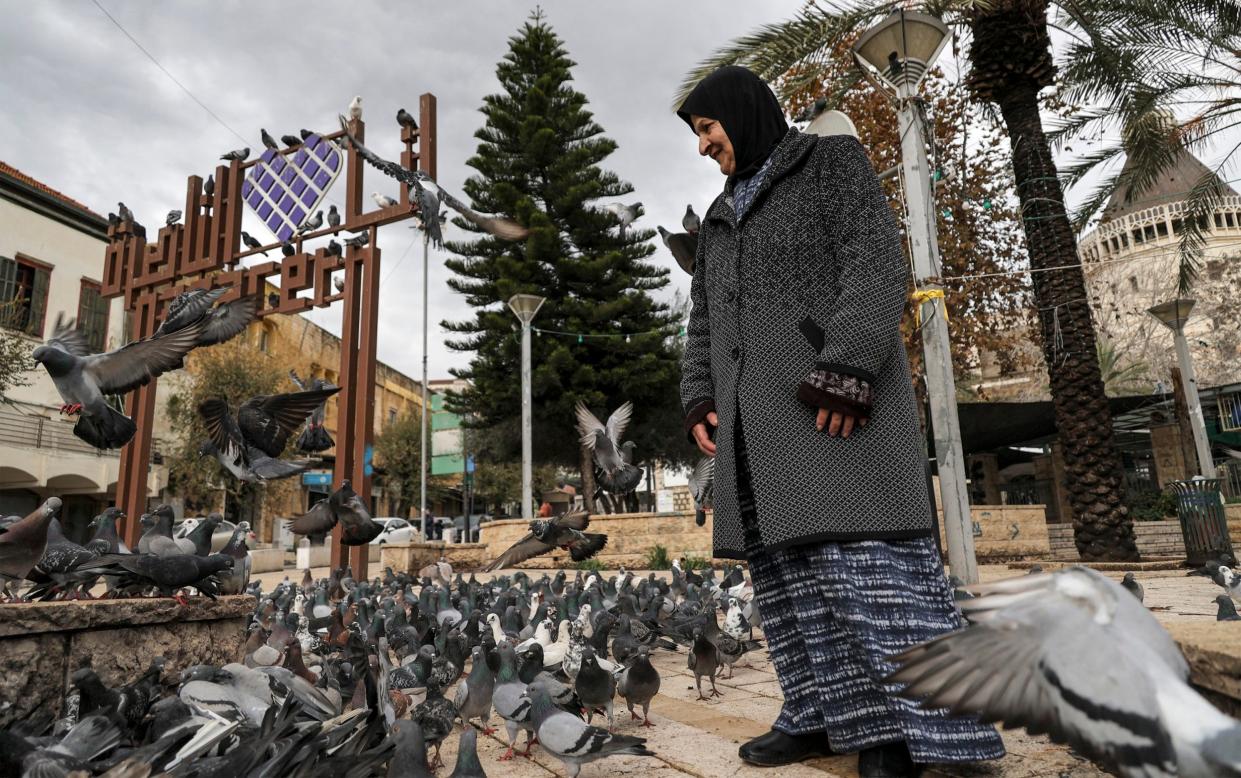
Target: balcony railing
(25, 426)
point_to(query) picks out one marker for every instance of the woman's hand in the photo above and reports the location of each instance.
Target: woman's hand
(703, 437)
(837, 423)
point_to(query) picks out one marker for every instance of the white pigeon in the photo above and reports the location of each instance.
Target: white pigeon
(625, 214)
(1231, 583)
(554, 654)
(542, 636)
(605, 440)
(355, 107)
(1074, 655)
(383, 201)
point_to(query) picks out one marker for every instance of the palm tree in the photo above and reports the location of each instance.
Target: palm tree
(1010, 63)
(1120, 375)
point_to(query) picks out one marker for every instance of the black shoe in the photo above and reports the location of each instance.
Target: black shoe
(778, 748)
(891, 760)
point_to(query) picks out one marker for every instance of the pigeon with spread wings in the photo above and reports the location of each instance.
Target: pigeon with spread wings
(249, 445)
(342, 506)
(605, 440)
(315, 437)
(566, 532)
(499, 226)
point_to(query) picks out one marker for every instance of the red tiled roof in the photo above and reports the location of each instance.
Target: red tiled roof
(13, 172)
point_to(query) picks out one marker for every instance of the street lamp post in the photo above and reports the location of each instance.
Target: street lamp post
(1173, 314)
(894, 55)
(524, 307)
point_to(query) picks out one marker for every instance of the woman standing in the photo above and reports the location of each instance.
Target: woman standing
(795, 378)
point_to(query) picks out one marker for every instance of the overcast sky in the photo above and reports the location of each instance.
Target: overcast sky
(87, 113)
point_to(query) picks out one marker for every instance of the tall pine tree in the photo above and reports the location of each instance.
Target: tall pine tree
(538, 161)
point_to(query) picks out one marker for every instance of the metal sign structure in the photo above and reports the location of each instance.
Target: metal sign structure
(204, 252)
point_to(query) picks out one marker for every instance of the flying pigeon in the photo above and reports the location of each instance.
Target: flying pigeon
(690, 221)
(268, 140)
(355, 107)
(683, 245)
(625, 214)
(221, 323)
(406, 119)
(249, 446)
(506, 229)
(240, 155)
(172, 218)
(605, 440)
(1073, 655)
(702, 488)
(291, 140)
(383, 201)
(342, 506)
(333, 216)
(251, 242)
(314, 437)
(565, 532)
(572, 740)
(83, 379)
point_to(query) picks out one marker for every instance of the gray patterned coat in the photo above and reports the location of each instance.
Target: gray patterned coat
(798, 307)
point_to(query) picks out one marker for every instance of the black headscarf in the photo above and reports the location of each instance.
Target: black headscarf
(745, 106)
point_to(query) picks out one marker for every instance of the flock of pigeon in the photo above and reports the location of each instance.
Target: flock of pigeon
(345, 677)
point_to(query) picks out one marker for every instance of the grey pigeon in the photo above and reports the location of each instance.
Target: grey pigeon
(625, 214)
(23, 542)
(333, 216)
(312, 224)
(83, 379)
(57, 570)
(1073, 655)
(503, 228)
(573, 741)
(595, 686)
(565, 532)
(435, 715)
(126, 215)
(468, 765)
(473, 698)
(1133, 587)
(287, 249)
(406, 119)
(314, 437)
(690, 221)
(305, 133)
(267, 139)
(165, 573)
(90, 738)
(251, 242)
(200, 536)
(236, 580)
(383, 201)
(333, 248)
(158, 540)
(172, 218)
(209, 186)
(702, 488)
(240, 155)
(359, 240)
(221, 322)
(1226, 611)
(291, 140)
(105, 540)
(704, 659)
(344, 507)
(683, 246)
(509, 700)
(249, 445)
(605, 441)
(409, 754)
(639, 684)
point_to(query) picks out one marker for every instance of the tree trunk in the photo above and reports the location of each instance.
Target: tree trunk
(1102, 527)
(588, 478)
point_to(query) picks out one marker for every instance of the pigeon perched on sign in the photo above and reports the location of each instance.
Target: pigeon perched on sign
(506, 229)
(249, 445)
(172, 218)
(702, 488)
(267, 139)
(683, 245)
(291, 140)
(239, 155)
(1073, 655)
(314, 437)
(344, 507)
(566, 532)
(355, 107)
(84, 379)
(406, 119)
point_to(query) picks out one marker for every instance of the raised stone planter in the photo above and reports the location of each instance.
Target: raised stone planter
(41, 644)
(1213, 650)
(412, 557)
(631, 536)
(1003, 532)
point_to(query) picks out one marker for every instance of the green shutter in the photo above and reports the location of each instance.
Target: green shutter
(38, 301)
(8, 288)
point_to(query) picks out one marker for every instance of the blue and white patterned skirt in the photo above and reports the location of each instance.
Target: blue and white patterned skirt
(832, 614)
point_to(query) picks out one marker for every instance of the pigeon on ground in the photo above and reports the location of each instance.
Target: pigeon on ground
(605, 441)
(435, 715)
(235, 580)
(172, 218)
(683, 246)
(566, 532)
(509, 701)
(1226, 611)
(314, 437)
(468, 765)
(625, 214)
(355, 107)
(704, 659)
(1073, 655)
(1133, 587)
(383, 201)
(409, 756)
(22, 544)
(690, 221)
(639, 684)
(220, 323)
(83, 379)
(250, 444)
(251, 242)
(406, 119)
(702, 488)
(333, 216)
(240, 155)
(503, 228)
(595, 686)
(1210, 569)
(473, 699)
(267, 139)
(291, 140)
(343, 506)
(1231, 583)
(572, 740)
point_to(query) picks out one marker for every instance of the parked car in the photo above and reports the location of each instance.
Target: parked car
(219, 538)
(395, 530)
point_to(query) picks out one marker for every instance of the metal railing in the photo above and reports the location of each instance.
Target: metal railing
(1026, 493)
(25, 426)
(1229, 406)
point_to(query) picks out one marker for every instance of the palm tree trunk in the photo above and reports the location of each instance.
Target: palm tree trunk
(1102, 527)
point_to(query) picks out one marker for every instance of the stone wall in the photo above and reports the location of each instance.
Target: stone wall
(1003, 532)
(1155, 538)
(412, 557)
(631, 536)
(41, 644)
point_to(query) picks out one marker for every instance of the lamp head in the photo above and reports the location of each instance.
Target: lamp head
(899, 50)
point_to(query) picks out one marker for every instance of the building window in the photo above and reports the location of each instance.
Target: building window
(263, 339)
(93, 315)
(391, 415)
(23, 294)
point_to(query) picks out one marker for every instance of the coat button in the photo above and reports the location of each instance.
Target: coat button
(736, 352)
